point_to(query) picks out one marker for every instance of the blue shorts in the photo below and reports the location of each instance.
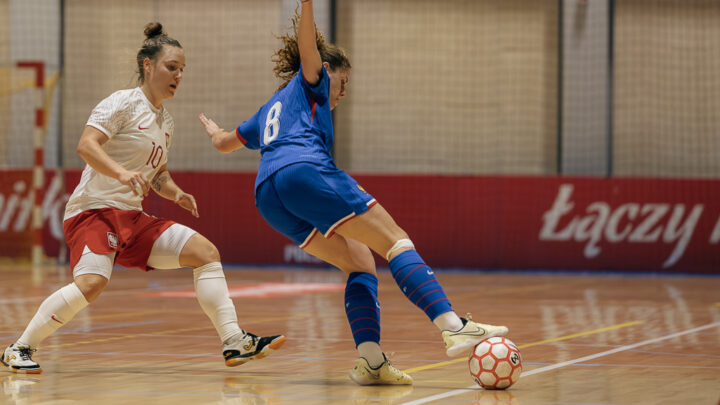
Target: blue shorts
(303, 198)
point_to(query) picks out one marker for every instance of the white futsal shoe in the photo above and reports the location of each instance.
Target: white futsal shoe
(460, 342)
(242, 348)
(384, 374)
(18, 359)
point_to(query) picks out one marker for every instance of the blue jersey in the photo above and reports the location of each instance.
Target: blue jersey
(295, 125)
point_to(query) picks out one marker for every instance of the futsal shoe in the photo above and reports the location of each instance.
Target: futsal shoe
(18, 359)
(460, 342)
(384, 374)
(242, 348)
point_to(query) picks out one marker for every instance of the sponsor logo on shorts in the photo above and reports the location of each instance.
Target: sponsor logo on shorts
(112, 240)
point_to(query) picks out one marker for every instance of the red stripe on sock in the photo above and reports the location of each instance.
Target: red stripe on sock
(432, 291)
(372, 319)
(429, 281)
(411, 272)
(376, 310)
(360, 295)
(372, 329)
(441, 299)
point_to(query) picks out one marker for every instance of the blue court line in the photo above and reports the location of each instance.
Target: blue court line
(274, 356)
(200, 394)
(487, 271)
(111, 326)
(527, 363)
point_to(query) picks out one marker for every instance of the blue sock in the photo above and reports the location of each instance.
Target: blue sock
(417, 281)
(362, 307)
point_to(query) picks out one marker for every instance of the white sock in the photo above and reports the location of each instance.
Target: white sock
(372, 352)
(212, 293)
(57, 309)
(448, 321)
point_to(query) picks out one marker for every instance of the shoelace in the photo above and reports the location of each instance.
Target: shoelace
(26, 352)
(253, 338)
(388, 356)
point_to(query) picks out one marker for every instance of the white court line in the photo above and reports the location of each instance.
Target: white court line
(567, 363)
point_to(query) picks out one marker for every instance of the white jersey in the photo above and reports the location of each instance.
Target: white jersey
(140, 137)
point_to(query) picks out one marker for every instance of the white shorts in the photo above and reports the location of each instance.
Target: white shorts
(165, 253)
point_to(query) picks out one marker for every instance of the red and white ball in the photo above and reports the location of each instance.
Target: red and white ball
(495, 363)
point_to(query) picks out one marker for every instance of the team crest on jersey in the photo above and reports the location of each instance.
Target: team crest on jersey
(167, 140)
(112, 240)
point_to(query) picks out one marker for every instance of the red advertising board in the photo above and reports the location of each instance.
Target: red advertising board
(15, 211)
(622, 224)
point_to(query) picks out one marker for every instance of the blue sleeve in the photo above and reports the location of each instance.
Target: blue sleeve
(249, 133)
(321, 89)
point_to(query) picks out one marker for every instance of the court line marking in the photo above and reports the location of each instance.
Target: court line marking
(221, 395)
(84, 318)
(569, 362)
(502, 291)
(91, 328)
(20, 300)
(163, 332)
(542, 342)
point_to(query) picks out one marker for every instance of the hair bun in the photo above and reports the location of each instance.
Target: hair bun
(153, 29)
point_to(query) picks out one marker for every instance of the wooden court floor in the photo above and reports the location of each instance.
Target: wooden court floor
(584, 340)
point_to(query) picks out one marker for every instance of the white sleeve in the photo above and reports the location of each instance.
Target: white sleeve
(111, 114)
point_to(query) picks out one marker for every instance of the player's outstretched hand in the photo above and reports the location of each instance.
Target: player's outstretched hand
(210, 126)
(137, 182)
(187, 201)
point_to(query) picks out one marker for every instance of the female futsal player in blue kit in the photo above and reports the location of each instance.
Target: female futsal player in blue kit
(300, 192)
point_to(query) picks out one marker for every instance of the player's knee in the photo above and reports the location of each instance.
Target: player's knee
(211, 253)
(198, 252)
(91, 285)
(400, 246)
(359, 259)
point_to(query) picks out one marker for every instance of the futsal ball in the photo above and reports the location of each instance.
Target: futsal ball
(495, 363)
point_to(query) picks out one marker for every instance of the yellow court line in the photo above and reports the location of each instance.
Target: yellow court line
(166, 332)
(542, 342)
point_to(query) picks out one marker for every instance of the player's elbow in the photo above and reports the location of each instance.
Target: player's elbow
(83, 148)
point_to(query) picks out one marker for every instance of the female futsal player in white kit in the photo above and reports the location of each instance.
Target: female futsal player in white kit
(125, 145)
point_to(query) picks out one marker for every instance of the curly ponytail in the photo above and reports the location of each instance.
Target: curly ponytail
(287, 58)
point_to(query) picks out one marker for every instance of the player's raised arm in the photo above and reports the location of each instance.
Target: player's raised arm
(223, 141)
(307, 44)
